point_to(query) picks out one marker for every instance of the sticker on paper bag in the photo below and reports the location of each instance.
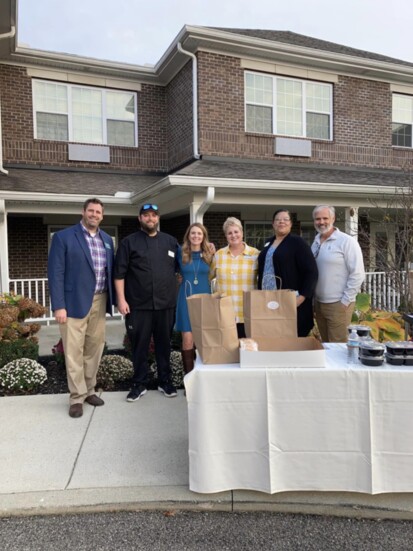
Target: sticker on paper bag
(273, 305)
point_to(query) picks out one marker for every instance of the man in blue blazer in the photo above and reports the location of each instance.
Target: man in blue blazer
(81, 292)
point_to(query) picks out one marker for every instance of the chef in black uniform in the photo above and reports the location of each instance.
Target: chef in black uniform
(145, 282)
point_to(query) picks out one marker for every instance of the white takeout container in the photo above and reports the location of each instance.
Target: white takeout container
(285, 352)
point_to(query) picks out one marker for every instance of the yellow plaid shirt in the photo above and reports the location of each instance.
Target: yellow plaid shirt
(235, 275)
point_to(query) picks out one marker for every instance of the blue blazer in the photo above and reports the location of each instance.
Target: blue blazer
(71, 274)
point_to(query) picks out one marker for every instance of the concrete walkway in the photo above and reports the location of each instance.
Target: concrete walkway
(130, 456)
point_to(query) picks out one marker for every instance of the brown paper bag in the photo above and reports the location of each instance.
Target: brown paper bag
(213, 328)
(270, 313)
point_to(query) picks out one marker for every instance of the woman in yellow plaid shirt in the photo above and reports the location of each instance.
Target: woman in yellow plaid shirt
(235, 268)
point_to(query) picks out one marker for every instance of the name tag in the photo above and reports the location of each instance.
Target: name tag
(171, 253)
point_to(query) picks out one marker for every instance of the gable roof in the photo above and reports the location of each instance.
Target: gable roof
(295, 39)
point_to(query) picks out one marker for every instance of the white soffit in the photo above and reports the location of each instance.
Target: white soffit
(78, 78)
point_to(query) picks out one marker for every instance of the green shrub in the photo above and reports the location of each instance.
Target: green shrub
(20, 348)
(113, 368)
(22, 376)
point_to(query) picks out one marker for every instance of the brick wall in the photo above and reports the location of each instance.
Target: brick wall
(362, 113)
(178, 225)
(362, 120)
(362, 123)
(214, 221)
(128, 226)
(20, 147)
(180, 117)
(27, 237)
(175, 226)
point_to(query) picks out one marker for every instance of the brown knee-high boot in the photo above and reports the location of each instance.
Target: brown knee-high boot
(188, 360)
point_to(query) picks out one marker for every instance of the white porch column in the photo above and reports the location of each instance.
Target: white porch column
(4, 253)
(193, 211)
(197, 209)
(351, 221)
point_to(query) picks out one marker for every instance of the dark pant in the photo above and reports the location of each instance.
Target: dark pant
(140, 326)
(241, 331)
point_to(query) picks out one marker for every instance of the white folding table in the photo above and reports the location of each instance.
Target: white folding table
(338, 428)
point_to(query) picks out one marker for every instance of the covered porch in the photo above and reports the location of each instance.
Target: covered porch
(207, 190)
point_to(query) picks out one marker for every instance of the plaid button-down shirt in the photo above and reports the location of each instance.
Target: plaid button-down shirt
(98, 254)
(235, 275)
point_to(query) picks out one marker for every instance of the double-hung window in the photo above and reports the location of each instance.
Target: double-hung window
(288, 106)
(68, 112)
(402, 120)
(258, 233)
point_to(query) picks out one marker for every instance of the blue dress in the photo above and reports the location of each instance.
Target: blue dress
(197, 270)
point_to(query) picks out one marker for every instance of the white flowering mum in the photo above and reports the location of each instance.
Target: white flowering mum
(22, 376)
(113, 368)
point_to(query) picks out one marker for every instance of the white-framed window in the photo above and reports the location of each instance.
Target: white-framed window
(73, 113)
(288, 106)
(256, 234)
(308, 232)
(402, 120)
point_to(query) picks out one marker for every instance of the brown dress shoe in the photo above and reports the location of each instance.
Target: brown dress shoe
(76, 410)
(94, 400)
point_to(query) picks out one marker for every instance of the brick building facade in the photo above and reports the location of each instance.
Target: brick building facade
(195, 153)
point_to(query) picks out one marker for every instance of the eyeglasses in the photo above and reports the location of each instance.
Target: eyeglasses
(278, 220)
(149, 206)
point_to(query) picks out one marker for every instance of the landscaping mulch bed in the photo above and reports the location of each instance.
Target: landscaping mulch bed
(56, 378)
(57, 383)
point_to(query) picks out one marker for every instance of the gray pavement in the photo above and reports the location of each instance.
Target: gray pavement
(208, 531)
(130, 456)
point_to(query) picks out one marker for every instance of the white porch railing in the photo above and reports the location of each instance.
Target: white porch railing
(38, 290)
(383, 290)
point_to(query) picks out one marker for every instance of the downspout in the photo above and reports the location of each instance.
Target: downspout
(197, 212)
(10, 34)
(194, 98)
(3, 170)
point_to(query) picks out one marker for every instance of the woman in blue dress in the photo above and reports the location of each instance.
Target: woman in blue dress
(194, 258)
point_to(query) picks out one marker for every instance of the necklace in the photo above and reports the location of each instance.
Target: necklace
(196, 270)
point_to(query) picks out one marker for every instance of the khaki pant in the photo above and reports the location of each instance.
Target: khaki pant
(332, 320)
(83, 343)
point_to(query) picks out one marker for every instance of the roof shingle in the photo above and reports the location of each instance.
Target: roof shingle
(295, 39)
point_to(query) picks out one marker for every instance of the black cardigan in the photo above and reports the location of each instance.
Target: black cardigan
(294, 263)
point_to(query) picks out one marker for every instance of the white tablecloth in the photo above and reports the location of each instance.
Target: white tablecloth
(340, 428)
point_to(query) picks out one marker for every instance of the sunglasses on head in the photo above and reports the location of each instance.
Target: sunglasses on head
(149, 206)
